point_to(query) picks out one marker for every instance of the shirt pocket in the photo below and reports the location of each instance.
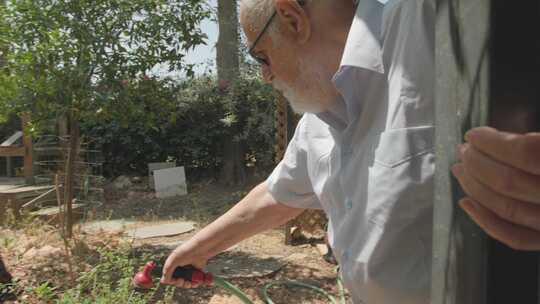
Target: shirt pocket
(399, 146)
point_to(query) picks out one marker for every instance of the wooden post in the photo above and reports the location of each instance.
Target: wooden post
(9, 167)
(28, 151)
(281, 123)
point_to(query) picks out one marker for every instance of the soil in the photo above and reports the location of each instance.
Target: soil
(301, 262)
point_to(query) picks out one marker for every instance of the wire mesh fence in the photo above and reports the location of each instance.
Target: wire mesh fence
(50, 154)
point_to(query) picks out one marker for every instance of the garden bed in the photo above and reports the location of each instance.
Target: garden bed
(96, 267)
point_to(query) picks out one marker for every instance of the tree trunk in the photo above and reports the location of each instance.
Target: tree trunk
(227, 59)
(3, 47)
(228, 71)
(70, 174)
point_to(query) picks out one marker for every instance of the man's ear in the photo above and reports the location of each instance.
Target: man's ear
(294, 20)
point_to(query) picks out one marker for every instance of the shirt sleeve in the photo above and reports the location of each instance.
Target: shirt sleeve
(289, 183)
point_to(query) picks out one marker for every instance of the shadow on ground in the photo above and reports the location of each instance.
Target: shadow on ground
(204, 203)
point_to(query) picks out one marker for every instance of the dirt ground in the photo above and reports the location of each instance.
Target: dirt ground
(301, 262)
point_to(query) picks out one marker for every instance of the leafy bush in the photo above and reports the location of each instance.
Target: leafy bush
(186, 122)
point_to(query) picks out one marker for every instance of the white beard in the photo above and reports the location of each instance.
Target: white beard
(302, 97)
(298, 103)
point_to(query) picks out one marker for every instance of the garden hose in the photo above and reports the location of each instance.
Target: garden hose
(224, 284)
(189, 273)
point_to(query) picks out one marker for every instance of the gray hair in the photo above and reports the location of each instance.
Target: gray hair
(257, 12)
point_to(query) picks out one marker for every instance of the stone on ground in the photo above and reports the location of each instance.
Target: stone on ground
(121, 182)
(111, 226)
(161, 230)
(45, 252)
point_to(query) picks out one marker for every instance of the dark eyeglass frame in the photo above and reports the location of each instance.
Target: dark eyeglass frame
(260, 60)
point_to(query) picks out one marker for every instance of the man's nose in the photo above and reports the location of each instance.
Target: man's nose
(267, 75)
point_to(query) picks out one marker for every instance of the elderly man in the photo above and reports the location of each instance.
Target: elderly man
(500, 172)
(363, 152)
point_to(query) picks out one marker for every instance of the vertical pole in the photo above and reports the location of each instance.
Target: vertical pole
(462, 95)
(9, 167)
(487, 52)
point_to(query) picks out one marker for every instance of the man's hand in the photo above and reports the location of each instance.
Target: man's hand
(255, 213)
(183, 255)
(500, 172)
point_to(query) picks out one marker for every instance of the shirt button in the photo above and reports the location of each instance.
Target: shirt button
(348, 203)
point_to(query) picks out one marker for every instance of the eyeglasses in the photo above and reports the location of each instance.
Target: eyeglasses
(260, 60)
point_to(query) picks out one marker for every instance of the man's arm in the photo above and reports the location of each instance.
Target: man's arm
(257, 212)
(500, 172)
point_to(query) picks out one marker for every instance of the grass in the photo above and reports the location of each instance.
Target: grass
(108, 281)
(89, 269)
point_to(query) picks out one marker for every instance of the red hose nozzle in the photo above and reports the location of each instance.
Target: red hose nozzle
(188, 273)
(143, 279)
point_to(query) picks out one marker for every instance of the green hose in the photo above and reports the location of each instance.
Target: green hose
(243, 297)
(341, 290)
(232, 289)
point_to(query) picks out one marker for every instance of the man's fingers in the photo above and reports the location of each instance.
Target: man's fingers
(166, 276)
(516, 150)
(500, 177)
(514, 236)
(168, 270)
(182, 283)
(517, 212)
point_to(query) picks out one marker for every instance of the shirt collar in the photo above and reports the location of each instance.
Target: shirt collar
(362, 50)
(363, 47)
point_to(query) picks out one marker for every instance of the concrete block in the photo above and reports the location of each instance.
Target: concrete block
(157, 166)
(170, 182)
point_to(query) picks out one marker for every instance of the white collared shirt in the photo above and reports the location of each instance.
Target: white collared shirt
(369, 162)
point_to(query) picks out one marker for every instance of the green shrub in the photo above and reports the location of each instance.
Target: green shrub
(191, 129)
